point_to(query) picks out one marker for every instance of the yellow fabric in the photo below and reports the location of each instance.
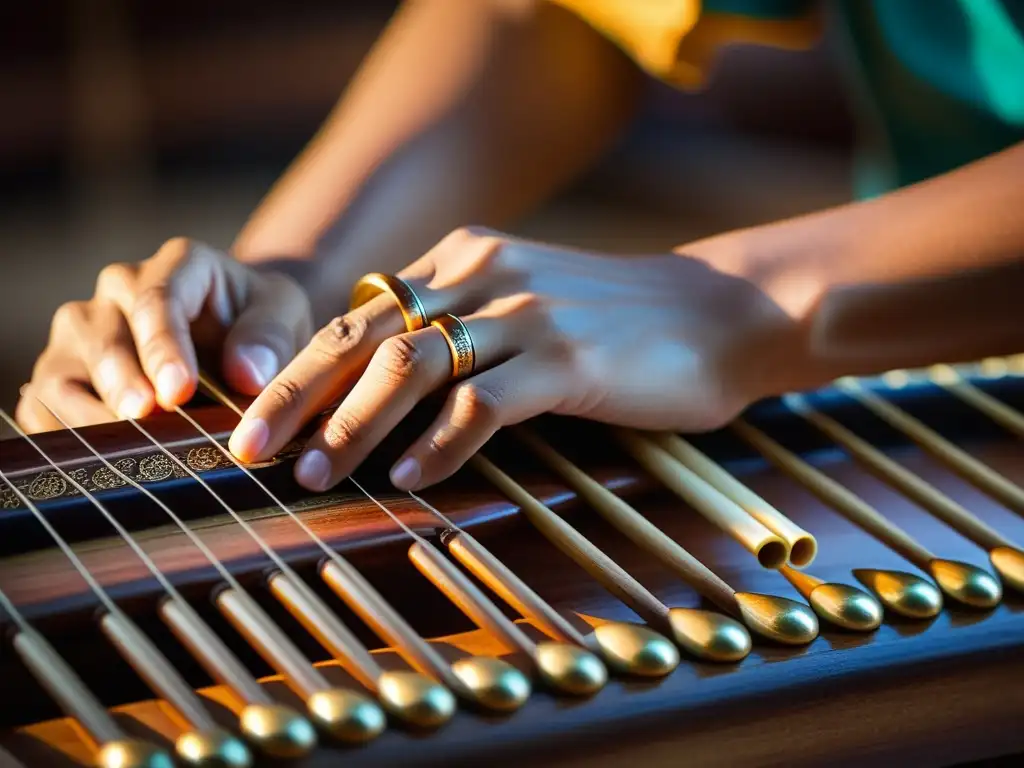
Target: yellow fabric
(677, 40)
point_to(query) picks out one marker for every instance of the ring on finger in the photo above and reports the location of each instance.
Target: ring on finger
(460, 344)
(376, 283)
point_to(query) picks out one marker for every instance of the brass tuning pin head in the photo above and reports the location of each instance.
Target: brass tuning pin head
(709, 635)
(277, 731)
(212, 749)
(634, 650)
(778, 618)
(570, 669)
(346, 715)
(846, 607)
(416, 699)
(130, 753)
(493, 683)
(902, 593)
(1009, 564)
(966, 584)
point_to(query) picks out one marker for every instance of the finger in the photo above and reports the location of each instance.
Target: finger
(403, 370)
(161, 300)
(31, 415)
(326, 367)
(523, 387)
(275, 324)
(104, 343)
(70, 399)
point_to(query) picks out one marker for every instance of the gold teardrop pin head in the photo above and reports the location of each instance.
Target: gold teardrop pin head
(212, 749)
(278, 731)
(709, 635)
(568, 668)
(905, 594)
(967, 584)
(346, 715)
(846, 607)
(1009, 564)
(130, 753)
(778, 618)
(416, 699)
(493, 683)
(630, 649)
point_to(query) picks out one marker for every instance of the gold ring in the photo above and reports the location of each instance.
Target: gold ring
(409, 303)
(460, 343)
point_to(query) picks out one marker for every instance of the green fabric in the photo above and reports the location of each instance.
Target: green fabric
(761, 9)
(936, 84)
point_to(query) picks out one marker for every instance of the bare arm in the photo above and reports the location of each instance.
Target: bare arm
(933, 272)
(466, 111)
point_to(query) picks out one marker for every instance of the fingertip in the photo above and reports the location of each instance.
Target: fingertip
(249, 368)
(135, 405)
(406, 474)
(313, 470)
(174, 385)
(249, 439)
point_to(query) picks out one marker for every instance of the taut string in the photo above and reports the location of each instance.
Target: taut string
(131, 642)
(346, 581)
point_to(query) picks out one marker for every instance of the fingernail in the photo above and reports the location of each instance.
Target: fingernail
(249, 439)
(170, 382)
(406, 474)
(133, 405)
(313, 470)
(261, 361)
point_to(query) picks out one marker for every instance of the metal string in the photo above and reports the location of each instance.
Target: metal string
(79, 566)
(327, 550)
(267, 549)
(369, 593)
(122, 531)
(388, 512)
(8, 607)
(189, 533)
(435, 511)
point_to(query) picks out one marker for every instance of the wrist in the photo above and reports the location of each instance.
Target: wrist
(784, 283)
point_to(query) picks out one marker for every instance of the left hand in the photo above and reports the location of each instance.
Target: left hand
(653, 342)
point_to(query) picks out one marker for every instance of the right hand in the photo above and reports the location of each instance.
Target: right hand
(136, 343)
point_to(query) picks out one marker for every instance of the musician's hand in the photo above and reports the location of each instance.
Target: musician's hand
(135, 343)
(650, 342)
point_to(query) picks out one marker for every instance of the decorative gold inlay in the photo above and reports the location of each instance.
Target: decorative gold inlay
(149, 468)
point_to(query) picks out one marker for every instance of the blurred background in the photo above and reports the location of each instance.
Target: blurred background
(126, 122)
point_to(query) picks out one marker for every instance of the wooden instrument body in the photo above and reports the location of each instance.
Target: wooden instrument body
(933, 692)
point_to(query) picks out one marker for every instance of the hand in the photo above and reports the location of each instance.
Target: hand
(649, 342)
(136, 342)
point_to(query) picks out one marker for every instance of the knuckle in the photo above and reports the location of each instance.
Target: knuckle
(340, 337)
(149, 303)
(563, 352)
(283, 394)
(342, 430)
(69, 316)
(114, 277)
(398, 359)
(484, 247)
(176, 246)
(478, 404)
(489, 253)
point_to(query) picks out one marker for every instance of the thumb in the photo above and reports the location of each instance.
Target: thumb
(269, 331)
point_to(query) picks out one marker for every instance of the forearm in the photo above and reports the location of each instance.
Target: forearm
(934, 272)
(466, 112)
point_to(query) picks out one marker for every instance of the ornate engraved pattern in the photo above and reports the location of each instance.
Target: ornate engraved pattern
(48, 485)
(151, 468)
(155, 467)
(205, 459)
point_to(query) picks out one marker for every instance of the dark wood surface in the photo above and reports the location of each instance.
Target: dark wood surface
(930, 693)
